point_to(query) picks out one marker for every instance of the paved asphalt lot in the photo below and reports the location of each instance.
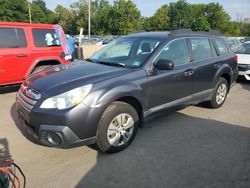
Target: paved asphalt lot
(195, 148)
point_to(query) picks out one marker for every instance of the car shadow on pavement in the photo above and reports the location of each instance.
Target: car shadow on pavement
(177, 150)
(245, 84)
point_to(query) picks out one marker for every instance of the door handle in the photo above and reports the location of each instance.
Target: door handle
(189, 72)
(21, 55)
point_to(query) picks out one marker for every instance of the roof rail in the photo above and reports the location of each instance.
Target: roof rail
(190, 31)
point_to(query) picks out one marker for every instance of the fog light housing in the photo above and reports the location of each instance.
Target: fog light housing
(54, 138)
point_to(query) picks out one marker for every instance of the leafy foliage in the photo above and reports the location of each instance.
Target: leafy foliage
(159, 21)
(123, 17)
(14, 10)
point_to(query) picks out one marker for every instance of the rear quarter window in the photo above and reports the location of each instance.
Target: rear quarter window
(46, 37)
(221, 46)
(12, 38)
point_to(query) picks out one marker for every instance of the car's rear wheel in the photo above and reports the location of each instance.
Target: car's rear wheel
(219, 93)
(117, 127)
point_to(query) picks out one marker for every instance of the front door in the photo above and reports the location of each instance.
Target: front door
(172, 87)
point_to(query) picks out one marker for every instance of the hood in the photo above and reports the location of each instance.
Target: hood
(243, 59)
(76, 73)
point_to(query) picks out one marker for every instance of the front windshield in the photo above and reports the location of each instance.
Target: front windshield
(128, 51)
(244, 49)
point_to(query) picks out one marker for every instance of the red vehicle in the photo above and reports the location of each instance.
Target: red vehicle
(26, 48)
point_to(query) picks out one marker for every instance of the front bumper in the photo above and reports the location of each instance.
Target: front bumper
(63, 129)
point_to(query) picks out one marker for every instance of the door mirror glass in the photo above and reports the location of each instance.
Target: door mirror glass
(164, 64)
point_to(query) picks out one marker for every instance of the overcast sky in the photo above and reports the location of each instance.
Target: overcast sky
(148, 7)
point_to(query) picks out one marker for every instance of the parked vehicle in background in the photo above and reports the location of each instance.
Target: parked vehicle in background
(27, 48)
(246, 39)
(234, 43)
(91, 41)
(109, 39)
(243, 54)
(103, 100)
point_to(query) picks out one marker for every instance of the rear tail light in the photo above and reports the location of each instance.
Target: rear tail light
(235, 58)
(66, 56)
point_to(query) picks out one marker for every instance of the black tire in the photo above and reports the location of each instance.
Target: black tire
(115, 109)
(40, 68)
(214, 103)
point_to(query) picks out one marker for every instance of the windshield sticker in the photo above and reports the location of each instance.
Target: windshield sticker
(136, 63)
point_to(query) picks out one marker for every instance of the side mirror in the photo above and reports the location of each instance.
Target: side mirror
(164, 64)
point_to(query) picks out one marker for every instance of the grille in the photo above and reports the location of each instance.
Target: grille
(27, 97)
(243, 67)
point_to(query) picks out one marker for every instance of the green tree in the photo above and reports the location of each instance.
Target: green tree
(231, 29)
(160, 21)
(179, 15)
(80, 15)
(216, 16)
(124, 17)
(40, 13)
(244, 29)
(66, 19)
(200, 24)
(100, 18)
(14, 10)
(148, 23)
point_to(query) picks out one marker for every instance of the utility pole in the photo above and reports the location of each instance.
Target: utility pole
(29, 12)
(180, 24)
(89, 20)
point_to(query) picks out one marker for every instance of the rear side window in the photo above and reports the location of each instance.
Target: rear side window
(46, 37)
(201, 48)
(221, 46)
(12, 38)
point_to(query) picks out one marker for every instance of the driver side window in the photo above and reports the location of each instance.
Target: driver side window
(175, 51)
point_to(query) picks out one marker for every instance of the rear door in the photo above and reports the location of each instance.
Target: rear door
(13, 54)
(204, 58)
(172, 87)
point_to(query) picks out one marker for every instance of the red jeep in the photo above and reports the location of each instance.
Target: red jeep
(26, 48)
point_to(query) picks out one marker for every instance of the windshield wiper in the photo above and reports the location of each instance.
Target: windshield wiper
(107, 63)
(112, 64)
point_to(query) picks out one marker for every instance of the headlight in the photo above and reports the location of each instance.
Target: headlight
(68, 99)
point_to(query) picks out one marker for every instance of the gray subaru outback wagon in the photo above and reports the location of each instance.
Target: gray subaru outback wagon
(104, 99)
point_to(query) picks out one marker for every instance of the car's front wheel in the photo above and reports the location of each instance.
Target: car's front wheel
(219, 93)
(117, 127)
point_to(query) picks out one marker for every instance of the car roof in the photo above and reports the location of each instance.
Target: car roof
(155, 34)
(176, 33)
(23, 24)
